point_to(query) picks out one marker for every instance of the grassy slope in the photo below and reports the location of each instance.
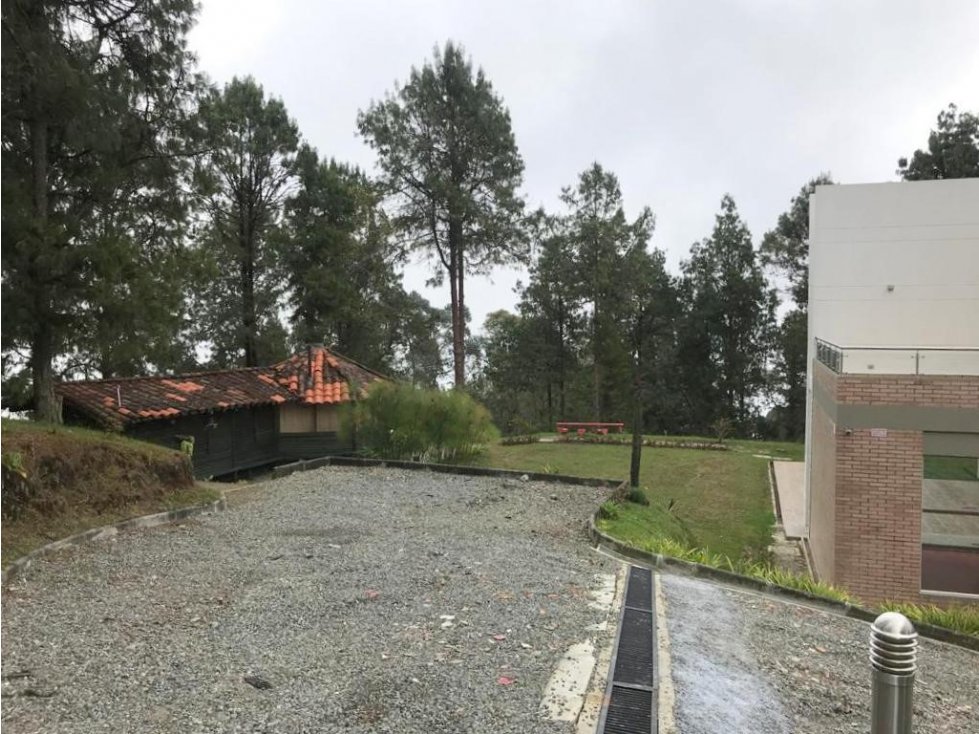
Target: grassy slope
(82, 479)
(721, 499)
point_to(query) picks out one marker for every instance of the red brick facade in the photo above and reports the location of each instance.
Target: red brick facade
(878, 513)
(865, 483)
(940, 391)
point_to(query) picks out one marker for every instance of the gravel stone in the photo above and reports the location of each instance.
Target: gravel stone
(335, 587)
(748, 662)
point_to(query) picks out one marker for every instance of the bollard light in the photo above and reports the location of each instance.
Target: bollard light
(893, 660)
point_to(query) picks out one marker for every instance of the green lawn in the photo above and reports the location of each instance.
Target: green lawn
(789, 450)
(721, 499)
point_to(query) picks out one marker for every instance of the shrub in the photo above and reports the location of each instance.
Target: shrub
(637, 496)
(608, 510)
(398, 421)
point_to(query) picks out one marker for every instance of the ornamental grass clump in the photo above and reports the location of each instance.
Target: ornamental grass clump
(399, 421)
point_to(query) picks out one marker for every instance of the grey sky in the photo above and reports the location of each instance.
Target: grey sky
(683, 100)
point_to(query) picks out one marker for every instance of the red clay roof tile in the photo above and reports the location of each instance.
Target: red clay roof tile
(314, 377)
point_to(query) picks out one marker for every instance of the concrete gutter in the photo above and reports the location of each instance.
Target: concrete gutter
(689, 568)
(22, 564)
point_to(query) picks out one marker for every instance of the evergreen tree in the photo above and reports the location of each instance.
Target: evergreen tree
(95, 96)
(553, 302)
(648, 305)
(730, 314)
(953, 149)
(786, 250)
(602, 236)
(450, 162)
(339, 263)
(240, 183)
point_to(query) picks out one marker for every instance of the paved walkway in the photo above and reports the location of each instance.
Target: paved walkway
(790, 483)
(745, 662)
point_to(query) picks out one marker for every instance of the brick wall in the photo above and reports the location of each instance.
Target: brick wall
(925, 390)
(878, 514)
(865, 484)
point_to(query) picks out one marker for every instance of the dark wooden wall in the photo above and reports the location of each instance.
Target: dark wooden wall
(295, 446)
(224, 441)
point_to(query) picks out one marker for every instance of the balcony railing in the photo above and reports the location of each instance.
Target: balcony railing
(898, 360)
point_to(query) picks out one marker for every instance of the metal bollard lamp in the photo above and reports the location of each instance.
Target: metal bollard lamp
(893, 660)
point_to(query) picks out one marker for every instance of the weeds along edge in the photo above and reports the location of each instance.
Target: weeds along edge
(689, 568)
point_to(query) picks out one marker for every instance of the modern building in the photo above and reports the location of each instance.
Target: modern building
(892, 439)
(238, 418)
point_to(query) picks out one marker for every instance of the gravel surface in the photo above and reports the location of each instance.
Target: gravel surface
(747, 662)
(334, 600)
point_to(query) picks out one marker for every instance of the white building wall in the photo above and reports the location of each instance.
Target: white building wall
(895, 265)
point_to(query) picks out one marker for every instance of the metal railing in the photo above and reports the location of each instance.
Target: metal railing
(899, 360)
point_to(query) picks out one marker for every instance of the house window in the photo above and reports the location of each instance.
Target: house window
(950, 518)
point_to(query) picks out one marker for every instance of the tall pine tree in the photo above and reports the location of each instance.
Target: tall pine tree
(95, 96)
(241, 182)
(450, 162)
(729, 323)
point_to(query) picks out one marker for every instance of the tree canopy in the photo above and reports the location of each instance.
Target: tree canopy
(450, 164)
(953, 149)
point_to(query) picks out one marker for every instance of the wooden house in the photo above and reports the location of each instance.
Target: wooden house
(237, 418)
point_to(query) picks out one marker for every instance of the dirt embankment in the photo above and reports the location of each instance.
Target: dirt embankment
(58, 481)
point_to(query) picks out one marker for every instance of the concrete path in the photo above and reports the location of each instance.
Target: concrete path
(739, 661)
(790, 483)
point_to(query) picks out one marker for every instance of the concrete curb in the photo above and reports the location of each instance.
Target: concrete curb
(690, 568)
(21, 565)
(476, 471)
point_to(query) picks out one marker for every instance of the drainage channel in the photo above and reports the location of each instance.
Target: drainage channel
(630, 701)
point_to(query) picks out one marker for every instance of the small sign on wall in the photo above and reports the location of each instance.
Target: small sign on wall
(878, 433)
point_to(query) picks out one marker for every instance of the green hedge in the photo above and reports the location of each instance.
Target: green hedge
(399, 421)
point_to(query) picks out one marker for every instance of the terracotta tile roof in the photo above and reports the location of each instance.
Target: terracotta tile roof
(317, 376)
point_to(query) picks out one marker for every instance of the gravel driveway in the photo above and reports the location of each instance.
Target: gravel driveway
(352, 599)
(747, 662)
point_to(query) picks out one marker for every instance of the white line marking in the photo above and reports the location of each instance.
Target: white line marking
(667, 696)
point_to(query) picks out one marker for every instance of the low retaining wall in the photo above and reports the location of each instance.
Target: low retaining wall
(20, 566)
(476, 471)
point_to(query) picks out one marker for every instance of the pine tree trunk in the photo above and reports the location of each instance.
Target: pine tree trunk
(248, 316)
(46, 407)
(456, 273)
(636, 436)
(459, 343)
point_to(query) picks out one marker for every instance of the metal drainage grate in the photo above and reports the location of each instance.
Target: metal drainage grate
(630, 701)
(634, 656)
(639, 593)
(630, 711)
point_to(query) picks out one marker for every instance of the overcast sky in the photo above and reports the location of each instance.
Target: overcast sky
(684, 101)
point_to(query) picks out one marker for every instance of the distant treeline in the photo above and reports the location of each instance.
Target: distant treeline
(153, 222)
